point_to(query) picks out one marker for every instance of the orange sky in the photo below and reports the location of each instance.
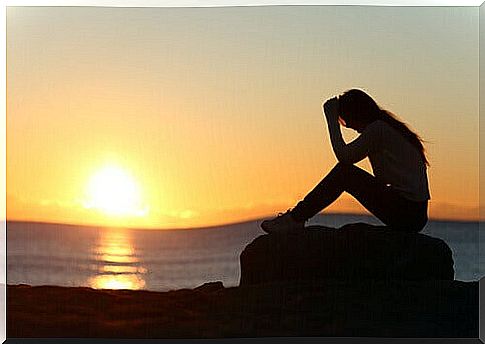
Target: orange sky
(213, 114)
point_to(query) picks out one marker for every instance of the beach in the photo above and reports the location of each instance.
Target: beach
(330, 308)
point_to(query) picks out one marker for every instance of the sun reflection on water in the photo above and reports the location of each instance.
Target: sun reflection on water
(118, 263)
(125, 281)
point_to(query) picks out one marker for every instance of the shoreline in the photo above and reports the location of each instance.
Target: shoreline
(329, 308)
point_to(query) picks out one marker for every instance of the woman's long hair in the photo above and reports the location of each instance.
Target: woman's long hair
(356, 104)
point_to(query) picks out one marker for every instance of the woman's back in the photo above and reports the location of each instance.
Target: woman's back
(397, 162)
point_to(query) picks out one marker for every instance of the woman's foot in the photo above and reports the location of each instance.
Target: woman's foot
(283, 223)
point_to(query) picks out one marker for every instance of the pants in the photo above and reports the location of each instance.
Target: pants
(387, 204)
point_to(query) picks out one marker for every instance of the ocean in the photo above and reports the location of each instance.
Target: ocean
(161, 260)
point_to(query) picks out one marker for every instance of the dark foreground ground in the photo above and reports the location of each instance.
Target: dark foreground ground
(330, 308)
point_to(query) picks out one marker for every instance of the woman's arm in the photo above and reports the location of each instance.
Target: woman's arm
(359, 148)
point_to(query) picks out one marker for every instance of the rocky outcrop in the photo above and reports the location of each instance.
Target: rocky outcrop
(352, 252)
(372, 308)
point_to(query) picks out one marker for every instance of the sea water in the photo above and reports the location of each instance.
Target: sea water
(160, 260)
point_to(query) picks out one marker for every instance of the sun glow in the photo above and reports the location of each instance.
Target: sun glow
(114, 192)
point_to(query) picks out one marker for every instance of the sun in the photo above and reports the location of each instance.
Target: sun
(114, 192)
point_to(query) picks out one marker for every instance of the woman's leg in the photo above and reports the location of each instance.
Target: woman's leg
(389, 207)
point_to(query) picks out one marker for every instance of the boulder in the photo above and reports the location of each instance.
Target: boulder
(353, 252)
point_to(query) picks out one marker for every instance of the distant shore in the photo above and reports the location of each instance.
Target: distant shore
(330, 308)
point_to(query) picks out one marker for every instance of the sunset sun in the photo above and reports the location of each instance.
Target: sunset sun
(114, 192)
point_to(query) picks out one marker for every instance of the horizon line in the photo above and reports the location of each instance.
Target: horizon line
(213, 226)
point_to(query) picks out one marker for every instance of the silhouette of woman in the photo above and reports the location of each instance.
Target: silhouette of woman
(397, 193)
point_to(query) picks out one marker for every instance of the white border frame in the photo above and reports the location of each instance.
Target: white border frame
(149, 3)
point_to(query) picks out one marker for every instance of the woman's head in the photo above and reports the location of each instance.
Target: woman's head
(358, 110)
(356, 106)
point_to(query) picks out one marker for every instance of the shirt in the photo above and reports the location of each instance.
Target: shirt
(394, 160)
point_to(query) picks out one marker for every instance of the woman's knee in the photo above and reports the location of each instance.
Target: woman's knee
(344, 168)
(353, 177)
(339, 174)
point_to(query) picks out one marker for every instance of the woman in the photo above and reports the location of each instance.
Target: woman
(397, 193)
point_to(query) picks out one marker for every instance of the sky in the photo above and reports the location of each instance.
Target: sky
(187, 117)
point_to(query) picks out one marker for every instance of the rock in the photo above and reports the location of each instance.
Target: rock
(352, 252)
(210, 287)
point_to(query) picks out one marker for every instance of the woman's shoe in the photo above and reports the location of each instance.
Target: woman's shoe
(283, 223)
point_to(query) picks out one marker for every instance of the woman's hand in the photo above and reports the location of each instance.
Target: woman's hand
(331, 109)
